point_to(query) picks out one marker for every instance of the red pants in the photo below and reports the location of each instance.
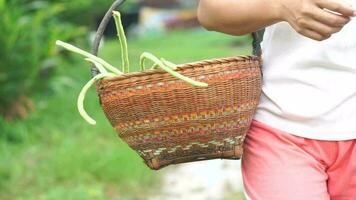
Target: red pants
(279, 166)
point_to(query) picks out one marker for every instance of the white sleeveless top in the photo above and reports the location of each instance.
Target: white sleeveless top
(309, 87)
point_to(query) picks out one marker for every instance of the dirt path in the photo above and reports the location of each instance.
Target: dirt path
(204, 180)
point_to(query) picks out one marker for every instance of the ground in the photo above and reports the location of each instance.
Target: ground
(205, 180)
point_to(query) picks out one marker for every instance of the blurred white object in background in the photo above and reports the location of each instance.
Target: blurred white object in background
(203, 180)
(162, 20)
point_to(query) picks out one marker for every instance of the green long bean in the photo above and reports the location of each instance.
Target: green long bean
(160, 64)
(88, 55)
(82, 94)
(99, 66)
(155, 65)
(169, 64)
(123, 42)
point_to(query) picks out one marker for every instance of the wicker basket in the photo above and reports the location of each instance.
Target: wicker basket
(167, 121)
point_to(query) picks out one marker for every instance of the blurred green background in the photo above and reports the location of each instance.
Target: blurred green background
(46, 150)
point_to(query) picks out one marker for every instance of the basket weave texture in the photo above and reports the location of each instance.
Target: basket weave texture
(168, 121)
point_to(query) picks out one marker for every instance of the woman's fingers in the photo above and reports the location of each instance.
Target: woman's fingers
(329, 18)
(336, 6)
(314, 29)
(313, 35)
(324, 30)
(316, 19)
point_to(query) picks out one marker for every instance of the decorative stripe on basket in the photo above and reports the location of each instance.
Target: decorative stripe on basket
(158, 151)
(176, 119)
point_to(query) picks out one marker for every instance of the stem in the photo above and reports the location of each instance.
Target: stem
(89, 55)
(123, 42)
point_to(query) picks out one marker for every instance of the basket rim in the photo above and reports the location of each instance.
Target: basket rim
(185, 66)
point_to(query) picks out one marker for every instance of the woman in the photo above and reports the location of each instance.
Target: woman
(301, 145)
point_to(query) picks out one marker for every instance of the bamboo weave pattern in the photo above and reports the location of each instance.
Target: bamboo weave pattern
(168, 121)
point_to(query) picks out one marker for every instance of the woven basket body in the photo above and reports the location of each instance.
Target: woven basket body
(168, 121)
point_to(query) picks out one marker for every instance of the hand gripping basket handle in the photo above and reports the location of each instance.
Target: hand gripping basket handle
(257, 36)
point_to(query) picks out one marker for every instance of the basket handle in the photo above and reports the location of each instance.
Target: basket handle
(256, 42)
(100, 32)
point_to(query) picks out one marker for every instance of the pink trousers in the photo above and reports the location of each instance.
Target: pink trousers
(280, 166)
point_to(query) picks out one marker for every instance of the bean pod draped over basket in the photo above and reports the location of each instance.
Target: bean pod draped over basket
(167, 121)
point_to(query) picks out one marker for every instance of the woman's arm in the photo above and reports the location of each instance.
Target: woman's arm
(308, 17)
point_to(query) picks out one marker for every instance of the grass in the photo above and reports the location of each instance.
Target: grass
(54, 154)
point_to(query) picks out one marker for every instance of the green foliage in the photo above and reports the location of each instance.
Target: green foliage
(83, 12)
(86, 12)
(27, 36)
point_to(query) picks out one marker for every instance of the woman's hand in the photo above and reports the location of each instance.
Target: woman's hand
(316, 19)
